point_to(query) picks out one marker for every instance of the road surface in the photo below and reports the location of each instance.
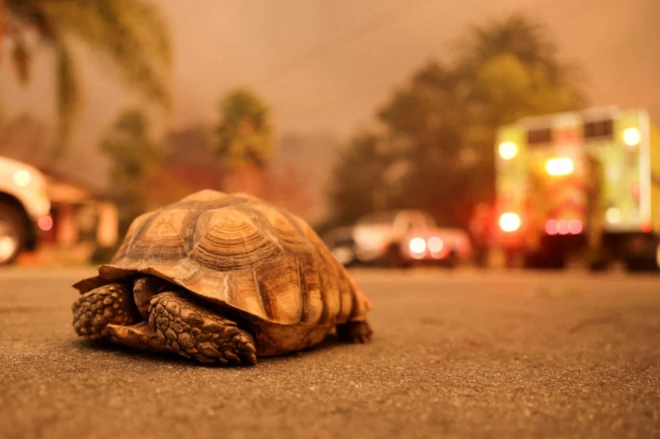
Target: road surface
(463, 354)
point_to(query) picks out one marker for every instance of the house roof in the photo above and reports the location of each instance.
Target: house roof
(65, 188)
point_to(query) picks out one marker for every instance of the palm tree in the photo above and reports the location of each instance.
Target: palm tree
(244, 140)
(129, 33)
(136, 160)
(244, 132)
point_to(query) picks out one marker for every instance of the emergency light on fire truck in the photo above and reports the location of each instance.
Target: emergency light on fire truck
(559, 166)
(508, 150)
(563, 227)
(510, 222)
(631, 136)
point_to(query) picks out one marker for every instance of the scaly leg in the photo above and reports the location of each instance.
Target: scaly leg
(193, 331)
(102, 306)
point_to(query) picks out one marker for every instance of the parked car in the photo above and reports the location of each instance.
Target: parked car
(24, 208)
(340, 242)
(408, 236)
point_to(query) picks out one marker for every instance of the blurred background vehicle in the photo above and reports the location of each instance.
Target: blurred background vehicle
(340, 241)
(24, 208)
(408, 236)
(582, 184)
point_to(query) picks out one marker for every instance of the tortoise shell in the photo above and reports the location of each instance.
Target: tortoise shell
(241, 252)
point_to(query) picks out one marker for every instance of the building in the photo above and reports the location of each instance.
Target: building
(80, 214)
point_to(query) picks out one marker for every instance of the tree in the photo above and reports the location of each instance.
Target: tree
(136, 162)
(244, 132)
(513, 61)
(427, 122)
(428, 116)
(354, 187)
(130, 34)
(442, 122)
(513, 69)
(244, 139)
(519, 35)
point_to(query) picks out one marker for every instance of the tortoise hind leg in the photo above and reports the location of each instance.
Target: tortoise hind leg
(102, 306)
(355, 332)
(192, 331)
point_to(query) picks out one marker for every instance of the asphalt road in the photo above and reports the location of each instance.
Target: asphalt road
(456, 355)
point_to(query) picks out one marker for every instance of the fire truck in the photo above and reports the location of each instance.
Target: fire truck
(582, 185)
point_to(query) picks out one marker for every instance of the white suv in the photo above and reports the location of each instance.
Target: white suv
(401, 237)
(24, 208)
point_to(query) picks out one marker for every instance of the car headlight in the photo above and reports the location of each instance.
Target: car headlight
(22, 178)
(435, 244)
(417, 245)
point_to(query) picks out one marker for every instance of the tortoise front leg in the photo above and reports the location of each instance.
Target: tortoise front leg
(102, 306)
(193, 331)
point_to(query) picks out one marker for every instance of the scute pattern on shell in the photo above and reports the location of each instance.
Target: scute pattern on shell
(242, 252)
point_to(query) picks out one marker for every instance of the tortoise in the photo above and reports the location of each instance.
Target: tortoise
(221, 278)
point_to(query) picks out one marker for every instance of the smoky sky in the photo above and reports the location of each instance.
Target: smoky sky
(327, 66)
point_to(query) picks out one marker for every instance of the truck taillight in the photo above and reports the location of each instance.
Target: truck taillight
(563, 227)
(510, 222)
(45, 223)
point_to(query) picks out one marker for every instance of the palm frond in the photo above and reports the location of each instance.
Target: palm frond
(128, 33)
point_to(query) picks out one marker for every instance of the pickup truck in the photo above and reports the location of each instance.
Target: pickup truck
(24, 208)
(406, 237)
